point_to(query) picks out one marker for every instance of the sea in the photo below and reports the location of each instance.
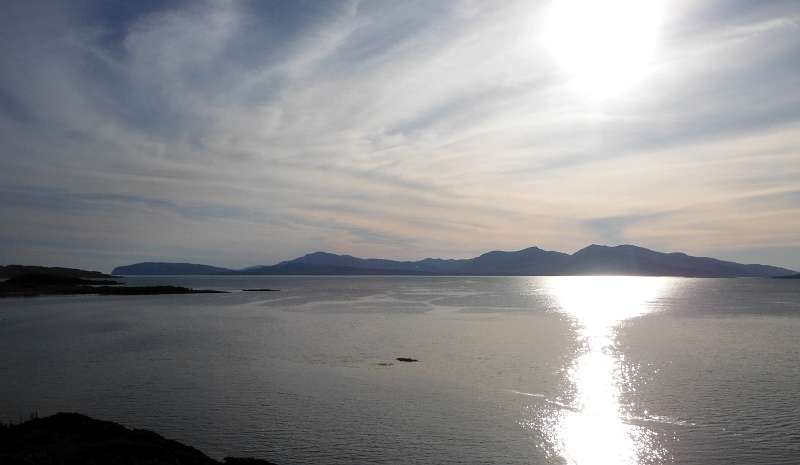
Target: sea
(509, 370)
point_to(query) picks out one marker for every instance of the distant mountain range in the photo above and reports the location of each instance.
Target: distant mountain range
(628, 260)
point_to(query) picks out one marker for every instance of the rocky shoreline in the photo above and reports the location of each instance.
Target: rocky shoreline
(793, 276)
(37, 284)
(76, 439)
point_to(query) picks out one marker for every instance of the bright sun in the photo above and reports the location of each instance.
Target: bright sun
(605, 45)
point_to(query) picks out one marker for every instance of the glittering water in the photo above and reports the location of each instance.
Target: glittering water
(565, 370)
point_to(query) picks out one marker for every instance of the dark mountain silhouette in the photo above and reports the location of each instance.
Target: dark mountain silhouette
(161, 268)
(10, 271)
(317, 263)
(314, 269)
(592, 260)
(532, 261)
(638, 261)
(427, 266)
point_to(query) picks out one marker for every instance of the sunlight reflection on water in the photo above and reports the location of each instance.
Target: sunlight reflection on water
(594, 430)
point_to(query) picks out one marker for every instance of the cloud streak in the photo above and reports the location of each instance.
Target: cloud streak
(237, 133)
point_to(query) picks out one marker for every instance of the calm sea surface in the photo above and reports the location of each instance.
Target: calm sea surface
(512, 370)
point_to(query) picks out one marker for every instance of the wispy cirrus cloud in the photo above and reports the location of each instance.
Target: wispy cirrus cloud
(214, 129)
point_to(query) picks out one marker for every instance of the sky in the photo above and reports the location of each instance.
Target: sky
(241, 133)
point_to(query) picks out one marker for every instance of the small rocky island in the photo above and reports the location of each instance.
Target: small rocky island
(37, 284)
(72, 438)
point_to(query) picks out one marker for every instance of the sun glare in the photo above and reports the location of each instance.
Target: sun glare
(594, 430)
(605, 46)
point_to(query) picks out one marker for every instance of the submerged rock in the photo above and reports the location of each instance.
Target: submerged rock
(406, 359)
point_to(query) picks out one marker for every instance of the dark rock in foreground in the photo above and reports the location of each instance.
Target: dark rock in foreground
(36, 284)
(406, 359)
(72, 438)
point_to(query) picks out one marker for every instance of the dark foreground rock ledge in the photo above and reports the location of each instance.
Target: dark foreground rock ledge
(75, 439)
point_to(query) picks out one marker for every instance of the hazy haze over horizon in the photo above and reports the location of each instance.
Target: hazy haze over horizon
(238, 133)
